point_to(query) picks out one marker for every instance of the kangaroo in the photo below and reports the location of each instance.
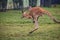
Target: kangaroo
(34, 13)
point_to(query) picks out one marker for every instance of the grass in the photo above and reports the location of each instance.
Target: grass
(12, 27)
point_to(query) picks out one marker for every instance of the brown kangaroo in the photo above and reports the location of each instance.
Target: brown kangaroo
(34, 13)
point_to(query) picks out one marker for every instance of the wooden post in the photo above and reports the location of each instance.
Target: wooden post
(38, 3)
(9, 4)
(25, 3)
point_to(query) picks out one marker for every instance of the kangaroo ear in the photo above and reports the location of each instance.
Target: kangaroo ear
(26, 8)
(30, 7)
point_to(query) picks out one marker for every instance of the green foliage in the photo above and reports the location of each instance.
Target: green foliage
(13, 27)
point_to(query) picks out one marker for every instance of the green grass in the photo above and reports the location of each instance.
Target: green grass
(12, 27)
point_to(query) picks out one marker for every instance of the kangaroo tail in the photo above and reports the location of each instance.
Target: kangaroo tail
(53, 18)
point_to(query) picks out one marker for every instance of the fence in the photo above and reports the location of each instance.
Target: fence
(17, 4)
